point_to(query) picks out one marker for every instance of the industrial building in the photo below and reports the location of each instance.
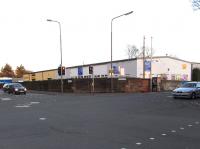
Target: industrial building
(166, 67)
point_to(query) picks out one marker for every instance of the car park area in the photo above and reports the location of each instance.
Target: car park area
(87, 121)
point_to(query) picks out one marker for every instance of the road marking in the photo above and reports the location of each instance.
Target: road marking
(164, 134)
(189, 125)
(151, 138)
(173, 131)
(6, 99)
(22, 106)
(34, 102)
(197, 123)
(42, 118)
(138, 143)
(181, 128)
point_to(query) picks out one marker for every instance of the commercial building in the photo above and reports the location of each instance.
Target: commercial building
(166, 67)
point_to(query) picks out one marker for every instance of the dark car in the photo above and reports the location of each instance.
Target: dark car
(5, 87)
(14, 88)
(187, 90)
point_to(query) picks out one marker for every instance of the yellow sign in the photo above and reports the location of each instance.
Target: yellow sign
(184, 66)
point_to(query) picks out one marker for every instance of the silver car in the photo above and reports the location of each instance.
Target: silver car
(187, 90)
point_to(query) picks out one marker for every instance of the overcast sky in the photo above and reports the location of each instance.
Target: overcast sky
(27, 38)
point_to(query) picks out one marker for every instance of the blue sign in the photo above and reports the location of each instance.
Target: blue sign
(80, 71)
(147, 65)
(115, 70)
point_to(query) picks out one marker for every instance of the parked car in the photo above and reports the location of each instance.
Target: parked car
(15, 88)
(187, 90)
(5, 87)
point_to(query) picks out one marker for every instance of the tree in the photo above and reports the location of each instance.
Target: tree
(132, 51)
(7, 71)
(196, 4)
(20, 71)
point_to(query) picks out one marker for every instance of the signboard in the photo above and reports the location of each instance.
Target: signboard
(80, 71)
(184, 66)
(115, 70)
(147, 65)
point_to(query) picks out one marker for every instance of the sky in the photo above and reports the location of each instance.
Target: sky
(27, 38)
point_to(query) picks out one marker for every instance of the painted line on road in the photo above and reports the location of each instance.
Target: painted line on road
(34, 102)
(163, 134)
(189, 125)
(181, 128)
(42, 118)
(173, 131)
(6, 99)
(152, 139)
(138, 143)
(22, 106)
(197, 123)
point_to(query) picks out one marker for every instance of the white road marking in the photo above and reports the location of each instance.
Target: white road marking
(6, 99)
(151, 138)
(181, 128)
(173, 131)
(22, 106)
(197, 123)
(189, 125)
(138, 143)
(164, 134)
(42, 118)
(34, 102)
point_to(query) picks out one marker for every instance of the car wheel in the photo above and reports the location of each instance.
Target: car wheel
(193, 96)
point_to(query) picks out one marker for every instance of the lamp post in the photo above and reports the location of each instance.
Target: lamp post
(111, 67)
(60, 52)
(151, 66)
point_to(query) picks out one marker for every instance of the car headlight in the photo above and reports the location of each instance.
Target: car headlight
(16, 89)
(25, 89)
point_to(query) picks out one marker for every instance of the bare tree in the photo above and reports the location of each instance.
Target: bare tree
(147, 52)
(132, 51)
(196, 4)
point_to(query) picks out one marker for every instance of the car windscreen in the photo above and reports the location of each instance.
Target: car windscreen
(17, 85)
(189, 85)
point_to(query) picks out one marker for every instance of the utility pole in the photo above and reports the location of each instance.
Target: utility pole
(144, 57)
(151, 65)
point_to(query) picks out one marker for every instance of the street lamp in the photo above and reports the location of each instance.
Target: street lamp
(60, 52)
(111, 67)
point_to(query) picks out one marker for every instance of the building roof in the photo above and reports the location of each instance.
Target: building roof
(117, 61)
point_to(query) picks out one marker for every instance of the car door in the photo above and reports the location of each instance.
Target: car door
(10, 88)
(198, 89)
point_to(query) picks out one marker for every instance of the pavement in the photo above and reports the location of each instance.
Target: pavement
(100, 121)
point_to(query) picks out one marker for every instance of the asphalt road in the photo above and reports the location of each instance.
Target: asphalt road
(100, 121)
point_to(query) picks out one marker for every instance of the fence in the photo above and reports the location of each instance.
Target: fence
(102, 85)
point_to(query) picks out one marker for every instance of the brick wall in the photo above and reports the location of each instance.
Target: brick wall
(84, 85)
